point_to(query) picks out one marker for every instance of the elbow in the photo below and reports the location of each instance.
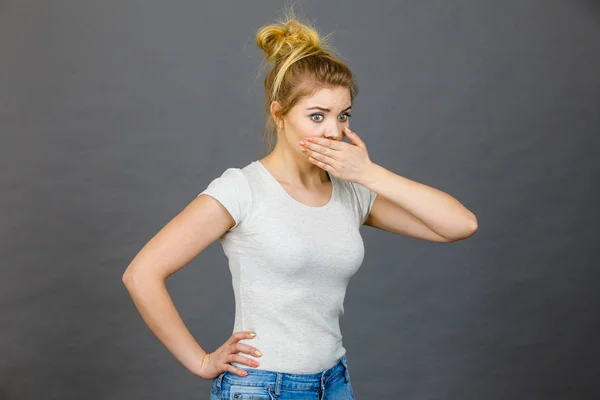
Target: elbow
(127, 275)
(467, 230)
(470, 227)
(132, 279)
(130, 276)
(127, 278)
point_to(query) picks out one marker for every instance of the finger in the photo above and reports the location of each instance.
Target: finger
(320, 157)
(354, 138)
(314, 148)
(327, 143)
(243, 360)
(244, 348)
(237, 336)
(320, 164)
(234, 370)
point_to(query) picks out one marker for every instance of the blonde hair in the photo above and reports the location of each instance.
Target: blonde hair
(303, 64)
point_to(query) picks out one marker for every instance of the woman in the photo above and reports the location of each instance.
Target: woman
(289, 225)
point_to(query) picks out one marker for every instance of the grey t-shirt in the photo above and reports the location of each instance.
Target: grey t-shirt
(290, 265)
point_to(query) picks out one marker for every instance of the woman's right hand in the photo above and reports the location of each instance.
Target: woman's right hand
(219, 361)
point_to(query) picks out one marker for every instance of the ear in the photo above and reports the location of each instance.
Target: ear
(275, 108)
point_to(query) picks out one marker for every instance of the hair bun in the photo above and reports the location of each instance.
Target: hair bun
(279, 40)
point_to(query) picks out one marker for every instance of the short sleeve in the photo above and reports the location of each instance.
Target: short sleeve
(232, 190)
(366, 198)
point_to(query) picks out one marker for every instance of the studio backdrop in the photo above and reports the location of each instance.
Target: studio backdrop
(114, 115)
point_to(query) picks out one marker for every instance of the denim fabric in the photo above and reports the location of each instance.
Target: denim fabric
(330, 384)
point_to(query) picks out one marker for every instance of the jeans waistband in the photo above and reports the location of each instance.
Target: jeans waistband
(279, 380)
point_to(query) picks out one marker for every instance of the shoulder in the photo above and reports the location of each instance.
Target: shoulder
(233, 191)
(237, 177)
(233, 179)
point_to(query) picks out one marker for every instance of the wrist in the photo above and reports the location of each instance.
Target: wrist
(369, 176)
(198, 362)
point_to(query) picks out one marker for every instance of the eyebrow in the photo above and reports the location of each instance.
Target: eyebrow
(325, 109)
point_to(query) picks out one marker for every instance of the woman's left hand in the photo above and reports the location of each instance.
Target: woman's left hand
(346, 161)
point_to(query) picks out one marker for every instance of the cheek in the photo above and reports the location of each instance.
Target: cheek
(308, 127)
(304, 127)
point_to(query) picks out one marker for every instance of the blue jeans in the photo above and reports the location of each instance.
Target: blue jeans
(330, 384)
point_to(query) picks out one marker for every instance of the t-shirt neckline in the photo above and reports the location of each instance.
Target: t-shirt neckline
(293, 200)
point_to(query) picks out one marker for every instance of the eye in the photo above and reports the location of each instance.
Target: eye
(348, 115)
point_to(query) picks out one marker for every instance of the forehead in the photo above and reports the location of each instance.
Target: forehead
(337, 96)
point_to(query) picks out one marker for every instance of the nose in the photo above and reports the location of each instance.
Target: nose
(335, 131)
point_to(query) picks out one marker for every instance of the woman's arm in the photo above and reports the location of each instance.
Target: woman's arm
(414, 209)
(202, 222)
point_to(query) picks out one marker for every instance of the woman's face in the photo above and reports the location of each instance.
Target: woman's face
(325, 114)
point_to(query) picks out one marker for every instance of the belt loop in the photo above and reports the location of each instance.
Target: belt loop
(345, 364)
(320, 388)
(219, 380)
(278, 380)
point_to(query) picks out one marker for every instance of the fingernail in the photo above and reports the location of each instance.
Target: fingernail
(252, 334)
(258, 353)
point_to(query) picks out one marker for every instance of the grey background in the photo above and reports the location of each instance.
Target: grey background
(114, 115)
